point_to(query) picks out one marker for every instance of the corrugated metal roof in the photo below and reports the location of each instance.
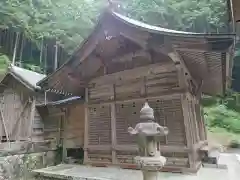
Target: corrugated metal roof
(27, 77)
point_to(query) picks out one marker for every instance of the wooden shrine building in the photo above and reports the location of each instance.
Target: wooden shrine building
(124, 63)
(19, 121)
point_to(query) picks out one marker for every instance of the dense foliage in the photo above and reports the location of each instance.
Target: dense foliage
(223, 113)
(186, 15)
(67, 21)
(71, 21)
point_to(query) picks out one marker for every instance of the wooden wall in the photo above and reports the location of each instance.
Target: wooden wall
(114, 104)
(74, 127)
(18, 112)
(15, 109)
(65, 124)
(52, 119)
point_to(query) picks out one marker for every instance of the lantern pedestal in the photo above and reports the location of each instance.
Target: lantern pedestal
(150, 160)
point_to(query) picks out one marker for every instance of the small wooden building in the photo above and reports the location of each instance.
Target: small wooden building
(19, 121)
(124, 63)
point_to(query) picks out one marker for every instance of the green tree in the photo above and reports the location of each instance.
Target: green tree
(186, 15)
(69, 22)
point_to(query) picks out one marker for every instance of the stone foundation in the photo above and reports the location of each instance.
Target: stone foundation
(18, 167)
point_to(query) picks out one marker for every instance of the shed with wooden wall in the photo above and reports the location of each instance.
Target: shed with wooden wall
(19, 120)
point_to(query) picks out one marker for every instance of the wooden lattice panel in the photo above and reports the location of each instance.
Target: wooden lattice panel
(99, 125)
(127, 114)
(193, 60)
(130, 89)
(125, 157)
(205, 66)
(168, 112)
(176, 159)
(100, 156)
(101, 93)
(159, 83)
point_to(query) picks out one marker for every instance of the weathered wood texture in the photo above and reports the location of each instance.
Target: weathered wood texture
(52, 123)
(119, 97)
(74, 127)
(17, 116)
(65, 125)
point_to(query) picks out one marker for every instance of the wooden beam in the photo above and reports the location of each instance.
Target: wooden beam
(185, 78)
(88, 46)
(135, 73)
(55, 114)
(165, 96)
(5, 127)
(164, 148)
(86, 128)
(136, 40)
(21, 113)
(187, 127)
(129, 56)
(64, 152)
(113, 128)
(32, 115)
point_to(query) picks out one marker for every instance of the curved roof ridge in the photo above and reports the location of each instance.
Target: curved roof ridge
(158, 29)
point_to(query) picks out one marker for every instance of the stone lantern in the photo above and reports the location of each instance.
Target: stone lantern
(148, 132)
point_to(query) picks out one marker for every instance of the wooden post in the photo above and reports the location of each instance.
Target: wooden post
(86, 127)
(63, 129)
(32, 115)
(5, 128)
(187, 127)
(113, 128)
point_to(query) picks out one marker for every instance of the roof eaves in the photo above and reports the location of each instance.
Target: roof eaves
(165, 31)
(83, 43)
(25, 83)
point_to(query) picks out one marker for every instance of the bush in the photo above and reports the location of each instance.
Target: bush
(234, 144)
(221, 116)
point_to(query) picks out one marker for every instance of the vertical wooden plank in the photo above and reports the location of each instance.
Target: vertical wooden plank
(113, 128)
(86, 120)
(187, 128)
(203, 124)
(32, 115)
(5, 128)
(64, 152)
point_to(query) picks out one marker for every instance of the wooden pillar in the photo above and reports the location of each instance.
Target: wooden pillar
(32, 115)
(113, 128)
(204, 131)
(63, 134)
(86, 127)
(187, 126)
